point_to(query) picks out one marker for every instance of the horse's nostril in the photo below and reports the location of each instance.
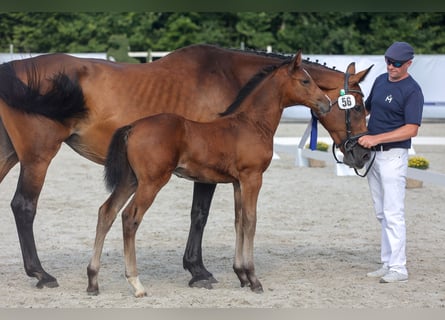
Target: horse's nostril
(367, 156)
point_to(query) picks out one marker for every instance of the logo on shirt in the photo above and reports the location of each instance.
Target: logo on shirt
(389, 98)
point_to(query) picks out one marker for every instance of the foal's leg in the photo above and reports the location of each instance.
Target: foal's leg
(238, 261)
(250, 187)
(107, 214)
(192, 260)
(131, 219)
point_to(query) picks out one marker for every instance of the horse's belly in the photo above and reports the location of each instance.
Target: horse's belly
(203, 175)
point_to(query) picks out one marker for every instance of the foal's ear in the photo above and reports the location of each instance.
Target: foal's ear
(296, 62)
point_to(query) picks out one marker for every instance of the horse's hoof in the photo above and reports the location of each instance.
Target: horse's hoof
(202, 282)
(93, 291)
(206, 284)
(47, 283)
(211, 279)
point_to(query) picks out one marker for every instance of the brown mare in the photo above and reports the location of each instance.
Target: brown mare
(53, 99)
(236, 148)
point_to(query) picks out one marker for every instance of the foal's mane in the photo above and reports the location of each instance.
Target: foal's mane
(250, 85)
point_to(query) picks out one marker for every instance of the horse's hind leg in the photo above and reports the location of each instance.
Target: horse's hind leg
(24, 206)
(34, 142)
(192, 259)
(6, 165)
(107, 214)
(8, 156)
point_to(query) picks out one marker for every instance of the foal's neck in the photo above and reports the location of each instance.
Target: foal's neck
(262, 110)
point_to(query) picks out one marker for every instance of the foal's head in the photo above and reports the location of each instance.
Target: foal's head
(295, 86)
(300, 88)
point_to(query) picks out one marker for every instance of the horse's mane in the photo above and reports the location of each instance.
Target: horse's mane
(318, 64)
(257, 78)
(250, 85)
(283, 56)
(278, 55)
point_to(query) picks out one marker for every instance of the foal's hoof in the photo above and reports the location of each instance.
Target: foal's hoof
(257, 288)
(140, 294)
(93, 291)
(244, 283)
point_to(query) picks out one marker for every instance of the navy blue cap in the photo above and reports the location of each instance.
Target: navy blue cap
(400, 51)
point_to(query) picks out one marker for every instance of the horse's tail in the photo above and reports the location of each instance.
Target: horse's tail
(64, 99)
(117, 167)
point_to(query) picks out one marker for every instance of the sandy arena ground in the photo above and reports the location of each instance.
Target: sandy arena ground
(316, 240)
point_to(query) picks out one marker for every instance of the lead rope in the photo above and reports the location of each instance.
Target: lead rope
(355, 169)
(369, 166)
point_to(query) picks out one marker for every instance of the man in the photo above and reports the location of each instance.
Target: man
(395, 104)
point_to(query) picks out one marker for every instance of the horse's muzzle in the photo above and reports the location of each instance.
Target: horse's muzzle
(325, 106)
(356, 156)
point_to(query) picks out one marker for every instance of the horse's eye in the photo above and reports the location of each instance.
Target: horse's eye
(305, 81)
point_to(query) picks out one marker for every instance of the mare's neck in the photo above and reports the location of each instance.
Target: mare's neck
(324, 77)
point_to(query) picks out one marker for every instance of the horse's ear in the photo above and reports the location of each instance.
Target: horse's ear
(298, 58)
(359, 77)
(296, 62)
(351, 68)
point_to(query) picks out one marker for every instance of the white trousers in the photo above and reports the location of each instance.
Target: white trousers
(387, 182)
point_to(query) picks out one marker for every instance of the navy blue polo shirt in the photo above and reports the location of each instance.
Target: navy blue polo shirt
(392, 105)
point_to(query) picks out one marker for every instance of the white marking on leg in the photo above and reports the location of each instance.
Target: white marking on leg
(139, 290)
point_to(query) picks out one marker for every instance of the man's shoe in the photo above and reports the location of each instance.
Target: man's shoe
(394, 276)
(378, 273)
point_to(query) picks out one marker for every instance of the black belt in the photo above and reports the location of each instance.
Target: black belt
(382, 147)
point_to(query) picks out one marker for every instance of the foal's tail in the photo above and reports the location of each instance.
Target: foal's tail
(117, 167)
(63, 100)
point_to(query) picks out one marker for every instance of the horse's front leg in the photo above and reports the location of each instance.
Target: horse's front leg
(24, 206)
(250, 188)
(107, 214)
(192, 259)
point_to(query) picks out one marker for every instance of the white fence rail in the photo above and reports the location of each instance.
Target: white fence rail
(296, 146)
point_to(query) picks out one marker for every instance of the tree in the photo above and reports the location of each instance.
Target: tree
(118, 49)
(313, 32)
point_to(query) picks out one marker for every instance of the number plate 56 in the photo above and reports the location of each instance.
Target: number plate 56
(346, 101)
